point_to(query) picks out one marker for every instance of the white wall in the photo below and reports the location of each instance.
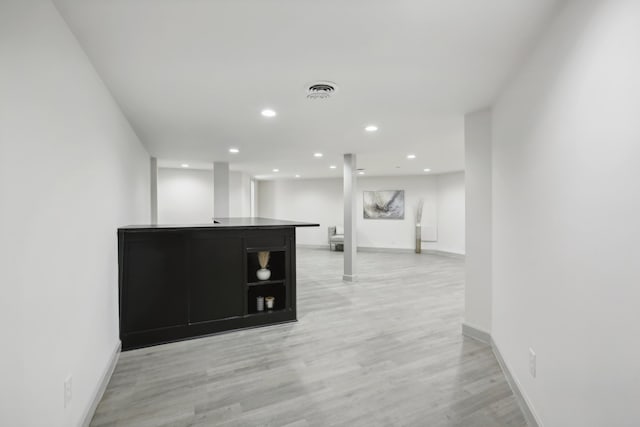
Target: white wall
(71, 171)
(221, 188)
(239, 194)
(450, 204)
(320, 200)
(385, 233)
(566, 210)
(478, 221)
(185, 196)
(312, 200)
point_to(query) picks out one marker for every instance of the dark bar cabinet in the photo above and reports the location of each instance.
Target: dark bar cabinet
(179, 282)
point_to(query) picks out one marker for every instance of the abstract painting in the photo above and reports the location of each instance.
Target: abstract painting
(387, 204)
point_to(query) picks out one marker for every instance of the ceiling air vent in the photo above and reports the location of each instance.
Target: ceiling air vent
(321, 90)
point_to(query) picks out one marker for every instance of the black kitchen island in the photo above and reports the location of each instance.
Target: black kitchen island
(179, 282)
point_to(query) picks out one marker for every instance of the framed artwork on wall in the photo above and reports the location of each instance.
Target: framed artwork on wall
(387, 204)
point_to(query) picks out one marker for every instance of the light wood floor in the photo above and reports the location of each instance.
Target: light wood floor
(385, 351)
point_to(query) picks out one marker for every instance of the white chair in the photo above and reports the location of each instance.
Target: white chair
(336, 238)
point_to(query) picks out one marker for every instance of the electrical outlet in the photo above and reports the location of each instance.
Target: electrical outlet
(68, 390)
(532, 362)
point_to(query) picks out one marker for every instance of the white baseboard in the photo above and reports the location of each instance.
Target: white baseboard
(525, 405)
(360, 248)
(476, 333)
(527, 409)
(305, 246)
(101, 386)
(444, 253)
(387, 250)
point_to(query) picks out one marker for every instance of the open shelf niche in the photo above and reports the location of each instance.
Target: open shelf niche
(278, 291)
(277, 265)
(275, 286)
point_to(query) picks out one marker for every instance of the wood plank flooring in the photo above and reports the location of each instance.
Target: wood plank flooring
(384, 351)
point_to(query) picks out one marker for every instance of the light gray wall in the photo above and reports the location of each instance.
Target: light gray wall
(320, 200)
(221, 188)
(450, 206)
(71, 171)
(313, 200)
(399, 233)
(566, 209)
(153, 183)
(185, 196)
(239, 194)
(478, 220)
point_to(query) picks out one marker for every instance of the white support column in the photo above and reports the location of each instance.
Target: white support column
(478, 223)
(220, 189)
(154, 189)
(350, 243)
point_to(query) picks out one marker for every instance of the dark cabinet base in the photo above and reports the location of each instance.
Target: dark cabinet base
(136, 340)
(185, 282)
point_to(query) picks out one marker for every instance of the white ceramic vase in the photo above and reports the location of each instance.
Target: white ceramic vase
(263, 274)
(269, 301)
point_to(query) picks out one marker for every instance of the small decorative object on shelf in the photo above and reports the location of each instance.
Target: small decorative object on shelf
(260, 303)
(270, 301)
(263, 260)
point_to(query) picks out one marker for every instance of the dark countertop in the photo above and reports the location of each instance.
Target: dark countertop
(247, 222)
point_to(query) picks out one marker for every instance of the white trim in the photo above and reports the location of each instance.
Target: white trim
(101, 386)
(444, 253)
(302, 245)
(396, 250)
(375, 249)
(530, 416)
(476, 333)
(527, 408)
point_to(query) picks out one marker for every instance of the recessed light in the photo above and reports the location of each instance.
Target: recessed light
(276, 170)
(268, 112)
(332, 167)
(371, 128)
(427, 170)
(297, 176)
(411, 156)
(361, 173)
(234, 150)
(184, 165)
(317, 154)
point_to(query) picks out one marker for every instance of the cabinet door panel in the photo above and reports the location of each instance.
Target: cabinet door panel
(155, 295)
(216, 267)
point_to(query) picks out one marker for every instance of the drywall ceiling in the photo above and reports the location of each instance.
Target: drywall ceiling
(193, 75)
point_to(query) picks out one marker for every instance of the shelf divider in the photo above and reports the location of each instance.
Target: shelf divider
(266, 282)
